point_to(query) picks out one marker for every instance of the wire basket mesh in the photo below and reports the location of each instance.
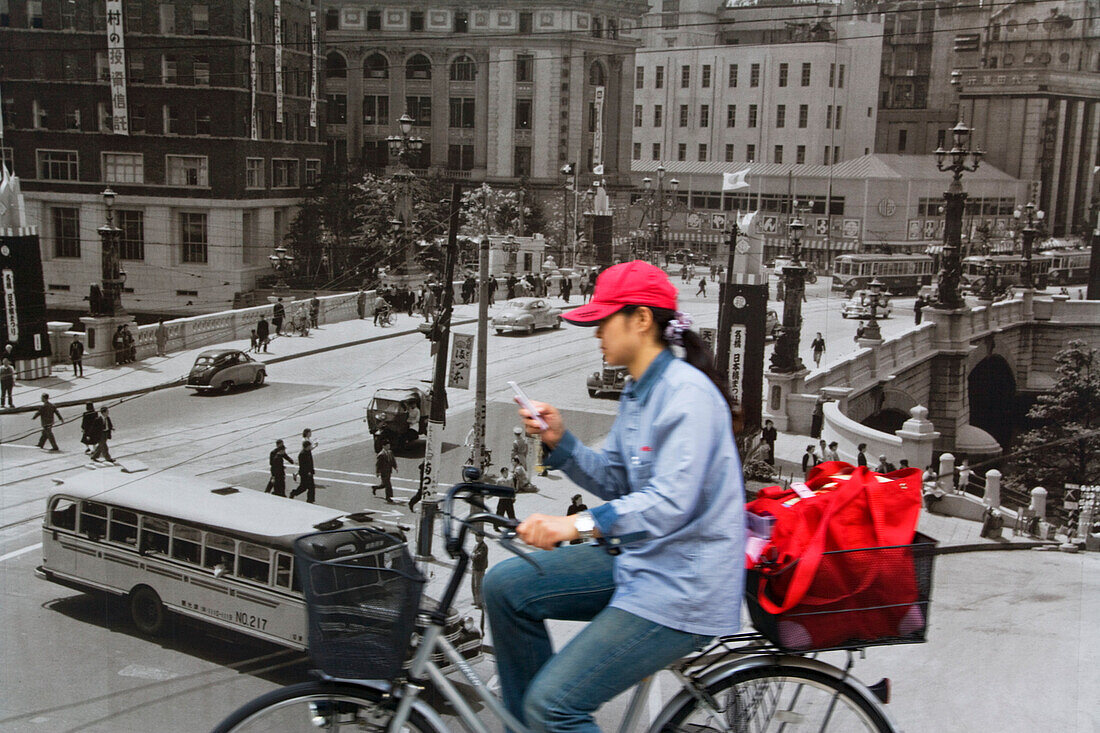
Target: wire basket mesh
(362, 592)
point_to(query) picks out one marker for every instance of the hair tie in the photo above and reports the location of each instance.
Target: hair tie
(674, 331)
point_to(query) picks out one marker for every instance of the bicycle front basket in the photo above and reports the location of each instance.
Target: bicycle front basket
(362, 592)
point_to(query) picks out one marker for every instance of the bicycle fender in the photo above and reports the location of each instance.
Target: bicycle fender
(419, 705)
(765, 660)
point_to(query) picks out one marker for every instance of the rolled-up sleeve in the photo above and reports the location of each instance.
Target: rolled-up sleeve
(599, 471)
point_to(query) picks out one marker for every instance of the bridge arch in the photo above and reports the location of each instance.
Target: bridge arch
(890, 409)
(991, 390)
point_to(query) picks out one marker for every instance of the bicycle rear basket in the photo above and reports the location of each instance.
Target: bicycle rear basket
(362, 592)
(858, 598)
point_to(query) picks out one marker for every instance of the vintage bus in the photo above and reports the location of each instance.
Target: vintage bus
(1067, 266)
(1009, 270)
(196, 547)
(900, 273)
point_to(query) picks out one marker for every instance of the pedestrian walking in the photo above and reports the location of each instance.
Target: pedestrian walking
(860, 330)
(818, 346)
(161, 336)
(918, 309)
(702, 287)
(809, 459)
(7, 382)
(780, 290)
(314, 310)
(278, 314)
(384, 466)
(307, 436)
(817, 419)
(277, 460)
(254, 342)
(76, 356)
(833, 453)
(492, 290)
(479, 563)
(305, 473)
(47, 413)
(106, 429)
(263, 334)
(89, 427)
(116, 345)
(576, 505)
(519, 447)
(506, 505)
(128, 346)
(520, 482)
(361, 303)
(861, 454)
(769, 435)
(884, 466)
(380, 307)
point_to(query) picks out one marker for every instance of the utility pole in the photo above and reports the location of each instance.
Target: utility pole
(437, 416)
(725, 305)
(482, 352)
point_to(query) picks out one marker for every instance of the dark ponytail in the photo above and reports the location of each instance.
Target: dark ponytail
(698, 354)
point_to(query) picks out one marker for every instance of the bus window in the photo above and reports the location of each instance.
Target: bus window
(186, 544)
(123, 527)
(254, 563)
(284, 568)
(219, 551)
(93, 520)
(154, 535)
(63, 514)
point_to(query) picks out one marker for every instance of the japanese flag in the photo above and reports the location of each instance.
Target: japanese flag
(743, 222)
(734, 181)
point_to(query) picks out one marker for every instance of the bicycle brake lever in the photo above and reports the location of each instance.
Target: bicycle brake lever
(506, 540)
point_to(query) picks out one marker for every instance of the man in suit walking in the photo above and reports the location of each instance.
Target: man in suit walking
(384, 465)
(305, 473)
(47, 413)
(277, 459)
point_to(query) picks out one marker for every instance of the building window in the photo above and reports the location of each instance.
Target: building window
(656, 151)
(460, 157)
(336, 66)
(284, 173)
(805, 75)
(336, 106)
(825, 158)
(202, 71)
(800, 154)
(777, 155)
(418, 67)
(781, 115)
(659, 77)
(525, 68)
(840, 77)
(836, 153)
(34, 14)
(702, 151)
(168, 70)
(526, 22)
(416, 20)
(521, 163)
(131, 243)
(523, 114)
(102, 68)
(683, 115)
(106, 118)
(903, 140)
(38, 112)
(681, 151)
(420, 109)
(637, 151)
(123, 168)
(750, 153)
(639, 77)
(729, 152)
(66, 232)
(58, 165)
(137, 118)
(374, 20)
(704, 115)
(754, 75)
(376, 109)
(462, 112)
(254, 173)
(832, 75)
(658, 111)
(803, 115)
(186, 170)
(313, 171)
(202, 120)
(376, 66)
(462, 22)
(685, 77)
(463, 69)
(783, 69)
(637, 115)
(828, 117)
(706, 76)
(752, 115)
(200, 20)
(839, 112)
(72, 119)
(731, 115)
(193, 237)
(167, 19)
(136, 61)
(733, 75)
(332, 19)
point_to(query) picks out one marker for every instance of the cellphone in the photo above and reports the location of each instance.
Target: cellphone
(526, 403)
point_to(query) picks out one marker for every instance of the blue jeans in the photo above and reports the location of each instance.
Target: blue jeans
(555, 693)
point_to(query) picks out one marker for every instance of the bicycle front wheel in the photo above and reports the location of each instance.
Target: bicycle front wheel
(778, 698)
(312, 706)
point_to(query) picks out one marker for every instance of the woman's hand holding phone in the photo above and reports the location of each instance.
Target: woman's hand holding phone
(550, 415)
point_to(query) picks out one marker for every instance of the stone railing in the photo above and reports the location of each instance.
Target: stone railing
(913, 442)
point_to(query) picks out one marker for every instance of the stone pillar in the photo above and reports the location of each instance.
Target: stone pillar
(59, 345)
(99, 330)
(1038, 506)
(946, 476)
(918, 435)
(993, 488)
(781, 386)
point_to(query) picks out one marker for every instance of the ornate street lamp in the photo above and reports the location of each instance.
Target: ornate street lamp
(1033, 217)
(281, 262)
(948, 295)
(659, 206)
(406, 149)
(785, 358)
(872, 330)
(110, 302)
(990, 275)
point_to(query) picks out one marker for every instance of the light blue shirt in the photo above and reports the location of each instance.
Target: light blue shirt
(671, 476)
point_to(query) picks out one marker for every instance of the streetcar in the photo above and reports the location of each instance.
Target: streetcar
(899, 273)
(1009, 270)
(1067, 266)
(199, 548)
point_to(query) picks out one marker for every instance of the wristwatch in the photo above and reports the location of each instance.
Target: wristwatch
(585, 525)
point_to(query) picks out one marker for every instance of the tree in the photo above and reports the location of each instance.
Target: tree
(1065, 448)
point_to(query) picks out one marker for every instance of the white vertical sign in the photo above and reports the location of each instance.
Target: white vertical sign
(461, 359)
(313, 68)
(278, 61)
(116, 65)
(253, 71)
(11, 316)
(597, 136)
(737, 362)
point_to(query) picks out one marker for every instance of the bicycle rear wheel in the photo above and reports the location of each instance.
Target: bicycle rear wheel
(778, 698)
(312, 706)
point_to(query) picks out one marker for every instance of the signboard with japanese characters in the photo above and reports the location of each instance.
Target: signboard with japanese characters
(278, 24)
(11, 314)
(852, 228)
(253, 70)
(313, 69)
(116, 67)
(597, 135)
(718, 222)
(768, 224)
(461, 358)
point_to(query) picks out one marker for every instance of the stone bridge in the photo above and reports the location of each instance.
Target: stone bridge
(956, 383)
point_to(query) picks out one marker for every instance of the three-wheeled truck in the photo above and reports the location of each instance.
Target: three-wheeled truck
(399, 416)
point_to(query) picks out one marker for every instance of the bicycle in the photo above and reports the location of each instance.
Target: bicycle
(739, 683)
(385, 317)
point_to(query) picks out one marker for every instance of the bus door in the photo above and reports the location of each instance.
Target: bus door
(60, 553)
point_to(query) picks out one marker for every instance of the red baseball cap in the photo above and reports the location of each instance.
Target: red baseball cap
(631, 283)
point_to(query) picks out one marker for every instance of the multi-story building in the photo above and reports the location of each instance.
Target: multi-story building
(680, 23)
(206, 146)
(498, 91)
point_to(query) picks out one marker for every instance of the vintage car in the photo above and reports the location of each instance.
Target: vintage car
(608, 381)
(859, 305)
(811, 271)
(527, 314)
(224, 369)
(399, 416)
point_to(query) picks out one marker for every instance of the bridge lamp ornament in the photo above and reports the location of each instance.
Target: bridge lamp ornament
(113, 276)
(665, 204)
(281, 262)
(785, 358)
(872, 329)
(1031, 218)
(962, 157)
(990, 275)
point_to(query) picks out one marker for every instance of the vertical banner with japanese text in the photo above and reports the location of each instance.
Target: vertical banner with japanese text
(738, 335)
(597, 135)
(116, 66)
(461, 359)
(278, 61)
(313, 68)
(254, 132)
(11, 314)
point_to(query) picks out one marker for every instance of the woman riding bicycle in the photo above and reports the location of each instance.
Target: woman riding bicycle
(671, 476)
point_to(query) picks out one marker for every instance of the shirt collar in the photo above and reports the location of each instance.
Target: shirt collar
(640, 390)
